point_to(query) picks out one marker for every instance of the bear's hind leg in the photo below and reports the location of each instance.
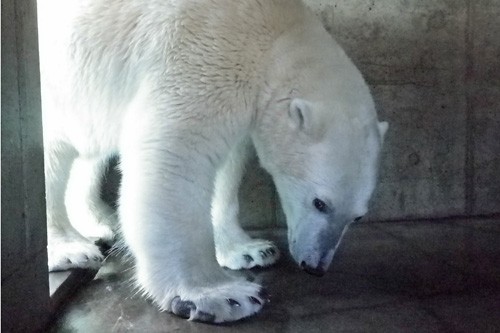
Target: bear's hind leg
(67, 248)
(88, 213)
(234, 248)
(164, 211)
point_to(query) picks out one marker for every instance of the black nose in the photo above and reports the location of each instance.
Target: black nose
(316, 271)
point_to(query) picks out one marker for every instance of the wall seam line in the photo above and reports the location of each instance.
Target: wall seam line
(469, 174)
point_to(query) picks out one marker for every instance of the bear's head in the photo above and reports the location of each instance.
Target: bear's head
(321, 144)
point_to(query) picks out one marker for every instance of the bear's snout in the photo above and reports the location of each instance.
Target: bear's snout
(316, 263)
(316, 271)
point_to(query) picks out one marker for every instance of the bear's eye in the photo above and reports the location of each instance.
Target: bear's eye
(358, 218)
(320, 205)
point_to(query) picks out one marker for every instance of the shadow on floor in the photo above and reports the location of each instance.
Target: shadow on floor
(439, 276)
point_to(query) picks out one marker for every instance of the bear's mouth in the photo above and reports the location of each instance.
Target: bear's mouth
(315, 271)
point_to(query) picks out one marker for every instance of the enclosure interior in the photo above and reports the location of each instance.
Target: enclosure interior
(426, 256)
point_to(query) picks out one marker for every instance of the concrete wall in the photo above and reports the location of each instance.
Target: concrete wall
(434, 70)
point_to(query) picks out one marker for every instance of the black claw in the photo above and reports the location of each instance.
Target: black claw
(182, 308)
(232, 302)
(270, 251)
(205, 317)
(68, 261)
(248, 258)
(254, 300)
(263, 254)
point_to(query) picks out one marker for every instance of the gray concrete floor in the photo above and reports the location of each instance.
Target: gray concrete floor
(428, 276)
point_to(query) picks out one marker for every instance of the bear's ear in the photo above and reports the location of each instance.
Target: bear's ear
(383, 126)
(300, 113)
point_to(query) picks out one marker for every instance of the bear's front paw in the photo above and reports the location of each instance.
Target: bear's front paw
(220, 304)
(252, 253)
(67, 253)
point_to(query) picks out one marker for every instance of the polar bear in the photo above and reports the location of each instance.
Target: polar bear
(181, 90)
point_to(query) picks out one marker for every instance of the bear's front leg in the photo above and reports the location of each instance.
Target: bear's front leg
(234, 249)
(66, 248)
(165, 215)
(88, 213)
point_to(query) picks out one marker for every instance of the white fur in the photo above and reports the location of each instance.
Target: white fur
(233, 247)
(92, 217)
(179, 89)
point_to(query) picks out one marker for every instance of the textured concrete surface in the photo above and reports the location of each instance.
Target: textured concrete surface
(258, 198)
(387, 277)
(484, 78)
